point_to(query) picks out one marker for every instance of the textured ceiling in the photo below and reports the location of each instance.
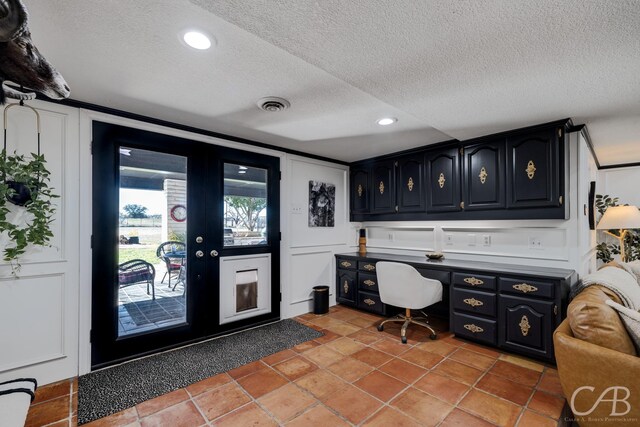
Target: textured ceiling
(446, 69)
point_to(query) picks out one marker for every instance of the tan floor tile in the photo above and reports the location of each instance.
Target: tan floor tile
(327, 337)
(459, 418)
(183, 414)
(487, 351)
(515, 373)
(344, 315)
(438, 347)
(362, 322)
(262, 382)
(458, 371)
(531, 419)
(366, 337)
(393, 347)
(320, 383)
(48, 412)
(248, 415)
(453, 340)
(343, 328)
(421, 358)
(324, 321)
(287, 402)
(346, 346)
(302, 347)
(505, 389)
(244, 370)
(491, 408)
(428, 410)
(380, 385)
(279, 357)
(521, 361)
(208, 384)
(52, 391)
(352, 403)
(221, 400)
(474, 359)
(317, 416)
(323, 356)
(295, 367)
(547, 404)
(388, 417)
(550, 383)
(442, 387)
(402, 370)
(161, 402)
(371, 357)
(119, 419)
(350, 369)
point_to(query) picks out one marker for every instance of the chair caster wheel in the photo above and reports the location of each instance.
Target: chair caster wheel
(433, 336)
(404, 340)
(380, 328)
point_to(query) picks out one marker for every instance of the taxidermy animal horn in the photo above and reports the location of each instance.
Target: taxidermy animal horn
(20, 61)
(13, 19)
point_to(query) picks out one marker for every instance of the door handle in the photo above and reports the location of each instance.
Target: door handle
(213, 253)
(199, 254)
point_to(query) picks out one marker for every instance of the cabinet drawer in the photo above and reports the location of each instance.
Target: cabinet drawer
(370, 302)
(442, 276)
(369, 266)
(474, 302)
(476, 281)
(349, 264)
(368, 282)
(524, 286)
(475, 328)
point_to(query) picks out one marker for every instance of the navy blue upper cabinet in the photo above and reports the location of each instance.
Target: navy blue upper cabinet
(533, 169)
(443, 180)
(383, 187)
(411, 183)
(360, 190)
(484, 175)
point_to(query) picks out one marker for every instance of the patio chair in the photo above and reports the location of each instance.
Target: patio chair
(172, 253)
(137, 271)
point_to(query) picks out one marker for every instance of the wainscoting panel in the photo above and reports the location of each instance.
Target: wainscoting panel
(309, 270)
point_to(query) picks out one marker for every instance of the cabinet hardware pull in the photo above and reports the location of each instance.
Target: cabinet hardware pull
(360, 190)
(410, 184)
(369, 301)
(381, 187)
(369, 267)
(555, 309)
(441, 180)
(461, 205)
(524, 326)
(531, 169)
(483, 175)
(461, 151)
(525, 288)
(560, 199)
(346, 287)
(473, 302)
(473, 328)
(369, 282)
(473, 281)
(345, 264)
(560, 133)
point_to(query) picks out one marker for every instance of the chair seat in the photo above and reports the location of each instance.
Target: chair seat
(129, 277)
(175, 266)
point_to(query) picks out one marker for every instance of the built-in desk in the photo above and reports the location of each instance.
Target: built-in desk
(513, 307)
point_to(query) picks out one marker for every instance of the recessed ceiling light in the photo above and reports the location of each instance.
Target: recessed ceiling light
(197, 40)
(386, 121)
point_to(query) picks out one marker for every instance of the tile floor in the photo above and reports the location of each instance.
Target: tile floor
(353, 375)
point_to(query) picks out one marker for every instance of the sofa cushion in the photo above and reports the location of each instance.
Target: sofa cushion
(593, 321)
(631, 320)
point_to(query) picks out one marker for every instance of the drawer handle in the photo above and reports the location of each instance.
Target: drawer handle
(346, 287)
(410, 184)
(525, 288)
(369, 267)
(473, 328)
(524, 326)
(369, 302)
(473, 281)
(531, 169)
(441, 180)
(345, 264)
(473, 302)
(381, 187)
(369, 282)
(483, 175)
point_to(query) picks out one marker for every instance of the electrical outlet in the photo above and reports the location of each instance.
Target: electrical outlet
(391, 237)
(535, 243)
(448, 239)
(471, 239)
(486, 240)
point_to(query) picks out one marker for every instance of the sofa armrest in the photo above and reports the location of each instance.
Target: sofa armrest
(582, 364)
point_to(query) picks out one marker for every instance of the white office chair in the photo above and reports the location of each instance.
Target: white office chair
(402, 286)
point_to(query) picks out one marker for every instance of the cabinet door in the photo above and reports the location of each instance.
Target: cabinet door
(383, 187)
(526, 325)
(410, 185)
(360, 190)
(443, 175)
(533, 169)
(484, 176)
(346, 287)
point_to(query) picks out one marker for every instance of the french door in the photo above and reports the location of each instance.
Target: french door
(185, 241)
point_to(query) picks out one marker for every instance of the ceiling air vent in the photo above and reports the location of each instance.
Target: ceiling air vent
(273, 104)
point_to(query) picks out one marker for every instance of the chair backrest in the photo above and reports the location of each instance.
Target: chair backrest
(402, 286)
(168, 247)
(135, 270)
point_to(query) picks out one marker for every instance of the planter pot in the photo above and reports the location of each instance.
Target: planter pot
(22, 195)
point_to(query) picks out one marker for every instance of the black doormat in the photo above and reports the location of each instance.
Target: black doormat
(114, 389)
(157, 310)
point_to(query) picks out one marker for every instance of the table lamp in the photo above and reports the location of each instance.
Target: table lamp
(620, 218)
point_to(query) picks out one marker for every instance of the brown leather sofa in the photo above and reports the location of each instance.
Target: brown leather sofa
(594, 353)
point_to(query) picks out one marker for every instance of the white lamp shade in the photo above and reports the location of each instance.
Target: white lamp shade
(620, 218)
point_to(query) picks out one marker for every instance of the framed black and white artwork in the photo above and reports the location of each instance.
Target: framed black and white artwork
(322, 204)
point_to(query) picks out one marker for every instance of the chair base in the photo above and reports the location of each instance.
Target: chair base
(407, 320)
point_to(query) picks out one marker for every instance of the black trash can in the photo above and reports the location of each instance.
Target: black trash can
(320, 299)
